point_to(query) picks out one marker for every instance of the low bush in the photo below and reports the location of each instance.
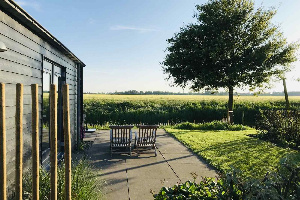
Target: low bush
(214, 125)
(158, 110)
(85, 184)
(280, 126)
(280, 184)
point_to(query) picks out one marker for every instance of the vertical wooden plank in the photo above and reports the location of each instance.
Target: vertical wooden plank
(53, 141)
(67, 141)
(2, 143)
(19, 140)
(35, 141)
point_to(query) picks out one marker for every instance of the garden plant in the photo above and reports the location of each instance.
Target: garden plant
(85, 183)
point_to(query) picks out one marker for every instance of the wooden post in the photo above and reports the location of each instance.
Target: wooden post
(19, 140)
(53, 141)
(2, 143)
(35, 142)
(67, 141)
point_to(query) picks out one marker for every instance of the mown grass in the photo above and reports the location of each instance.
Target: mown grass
(227, 149)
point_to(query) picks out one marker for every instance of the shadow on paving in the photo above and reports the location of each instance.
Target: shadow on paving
(143, 174)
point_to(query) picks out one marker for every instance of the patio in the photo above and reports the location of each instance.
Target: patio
(142, 175)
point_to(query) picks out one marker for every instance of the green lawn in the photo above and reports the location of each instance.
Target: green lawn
(223, 149)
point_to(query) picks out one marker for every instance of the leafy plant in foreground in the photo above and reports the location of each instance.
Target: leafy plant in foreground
(281, 184)
(85, 184)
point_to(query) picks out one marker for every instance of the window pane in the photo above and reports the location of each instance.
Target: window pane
(46, 111)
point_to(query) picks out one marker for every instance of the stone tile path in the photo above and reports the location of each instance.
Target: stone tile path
(140, 176)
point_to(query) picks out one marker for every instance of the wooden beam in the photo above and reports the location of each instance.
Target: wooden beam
(35, 142)
(2, 143)
(53, 141)
(19, 140)
(67, 141)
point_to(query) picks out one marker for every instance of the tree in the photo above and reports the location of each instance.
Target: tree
(231, 45)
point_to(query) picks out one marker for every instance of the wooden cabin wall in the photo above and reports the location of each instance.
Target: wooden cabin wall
(22, 63)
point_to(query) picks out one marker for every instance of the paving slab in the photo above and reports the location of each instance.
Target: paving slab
(141, 175)
(146, 188)
(192, 171)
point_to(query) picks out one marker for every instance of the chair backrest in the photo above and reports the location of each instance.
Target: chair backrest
(120, 134)
(147, 132)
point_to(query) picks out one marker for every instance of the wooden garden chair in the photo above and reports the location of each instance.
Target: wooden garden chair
(120, 138)
(146, 137)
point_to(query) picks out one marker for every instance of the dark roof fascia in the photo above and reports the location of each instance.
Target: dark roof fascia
(19, 14)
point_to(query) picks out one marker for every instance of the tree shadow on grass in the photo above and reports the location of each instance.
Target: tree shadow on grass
(253, 156)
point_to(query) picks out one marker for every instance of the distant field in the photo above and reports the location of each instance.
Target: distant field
(154, 109)
(188, 97)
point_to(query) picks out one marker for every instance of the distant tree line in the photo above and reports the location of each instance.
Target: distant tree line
(135, 92)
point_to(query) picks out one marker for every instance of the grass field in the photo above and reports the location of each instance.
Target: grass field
(187, 97)
(153, 109)
(226, 149)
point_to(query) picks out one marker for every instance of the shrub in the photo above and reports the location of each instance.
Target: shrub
(214, 125)
(153, 111)
(280, 126)
(85, 184)
(282, 184)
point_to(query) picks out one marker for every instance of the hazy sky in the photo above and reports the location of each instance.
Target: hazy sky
(122, 42)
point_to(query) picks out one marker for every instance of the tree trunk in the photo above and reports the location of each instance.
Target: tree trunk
(287, 103)
(230, 105)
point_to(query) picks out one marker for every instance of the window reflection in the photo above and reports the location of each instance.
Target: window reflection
(46, 111)
(51, 75)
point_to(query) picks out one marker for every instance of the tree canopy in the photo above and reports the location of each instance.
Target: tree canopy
(231, 45)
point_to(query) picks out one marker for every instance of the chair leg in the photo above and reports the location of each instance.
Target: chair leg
(110, 150)
(155, 153)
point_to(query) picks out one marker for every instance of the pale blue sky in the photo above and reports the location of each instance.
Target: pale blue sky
(122, 42)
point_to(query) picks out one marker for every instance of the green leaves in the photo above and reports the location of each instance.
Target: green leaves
(85, 183)
(207, 189)
(280, 126)
(283, 183)
(164, 109)
(214, 125)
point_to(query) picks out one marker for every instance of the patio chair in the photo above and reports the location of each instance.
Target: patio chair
(120, 138)
(146, 137)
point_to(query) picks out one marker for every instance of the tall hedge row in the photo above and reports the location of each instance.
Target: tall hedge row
(100, 112)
